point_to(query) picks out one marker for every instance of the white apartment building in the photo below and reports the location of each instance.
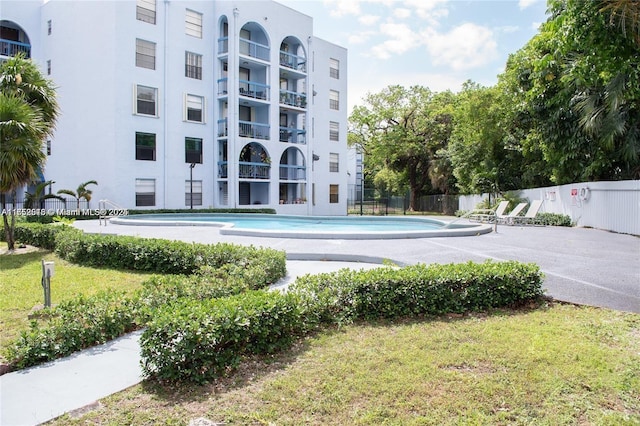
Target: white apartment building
(168, 104)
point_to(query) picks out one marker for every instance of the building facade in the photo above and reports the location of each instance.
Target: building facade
(173, 104)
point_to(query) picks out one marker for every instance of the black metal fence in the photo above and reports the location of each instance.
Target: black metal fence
(50, 206)
(371, 204)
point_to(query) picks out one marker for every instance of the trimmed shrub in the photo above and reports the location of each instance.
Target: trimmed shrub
(196, 341)
(261, 266)
(75, 325)
(40, 235)
(553, 219)
(348, 295)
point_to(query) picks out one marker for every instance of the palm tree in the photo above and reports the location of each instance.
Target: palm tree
(28, 112)
(36, 198)
(81, 192)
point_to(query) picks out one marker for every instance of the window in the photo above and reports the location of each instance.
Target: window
(193, 150)
(49, 27)
(145, 146)
(145, 192)
(334, 161)
(196, 187)
(193, 23)
(145, 54)
(333, 193)
(334, 131)
(49, 67)
(194, 108)
(146, 11)
(146, 100)
(193, 65)
(334, 99)
(334, 68)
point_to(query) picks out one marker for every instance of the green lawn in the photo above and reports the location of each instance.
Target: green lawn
(21, 288)
(557, 365)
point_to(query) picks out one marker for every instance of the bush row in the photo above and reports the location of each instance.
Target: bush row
(74, 325)
(553, 219)
(39, 235)
(196, 341)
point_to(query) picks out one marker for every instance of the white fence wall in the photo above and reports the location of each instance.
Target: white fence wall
(612, 206)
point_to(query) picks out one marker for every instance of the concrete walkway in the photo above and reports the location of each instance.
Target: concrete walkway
(585, 266)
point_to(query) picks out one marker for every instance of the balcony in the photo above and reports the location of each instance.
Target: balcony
(223, 45)
(223, 169)
(223, 129)
(254, 90)
(293, 135)
(294, 62)
(250, 129)
(292, 172)
(294, 99)
(12, 48)
(248, 170)
(223, 86)
(254, 50)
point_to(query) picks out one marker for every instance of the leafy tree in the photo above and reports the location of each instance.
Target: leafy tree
(581, 82)
(81, 192)
(28, 111)
(400, 130)
(36, 198)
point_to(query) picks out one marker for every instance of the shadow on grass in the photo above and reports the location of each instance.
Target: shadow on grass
(18, 260)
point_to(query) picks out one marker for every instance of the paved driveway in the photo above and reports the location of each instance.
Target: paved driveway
(585, 266)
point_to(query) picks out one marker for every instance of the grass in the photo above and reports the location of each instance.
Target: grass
(557, 365)
(21, 288)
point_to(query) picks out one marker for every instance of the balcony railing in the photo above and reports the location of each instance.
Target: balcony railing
(12, 48)
(222, 169)
(249, 129)
(223, 129)
(293, 98)
(292, 172)
(253, 49)
(223, 45)
(223, 86)
(247, 170)
(293, 135)
(254, 90)
(295, 62)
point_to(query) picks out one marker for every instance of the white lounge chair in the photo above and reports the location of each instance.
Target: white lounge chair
(530, 215)
(488, 215)
(513, 214)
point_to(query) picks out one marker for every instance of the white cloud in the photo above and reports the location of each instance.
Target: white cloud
(464, 47)
(508, 29)
(536, 25)
(361, 37)
(401, 39)
(341, 7)
(525, 3)
(368, 19)
(429, 10)
(402, 13)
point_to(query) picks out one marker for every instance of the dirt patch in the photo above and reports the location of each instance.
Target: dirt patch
(20, 249)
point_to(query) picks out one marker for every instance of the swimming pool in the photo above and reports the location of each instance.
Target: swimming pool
(320, 227)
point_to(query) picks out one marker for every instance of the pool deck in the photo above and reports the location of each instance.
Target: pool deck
(584, 266)
(581, 265)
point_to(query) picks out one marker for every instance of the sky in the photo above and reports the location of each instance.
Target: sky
(437, 44)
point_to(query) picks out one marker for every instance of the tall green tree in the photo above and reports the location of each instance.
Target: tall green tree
(82, 192)
(400, 131)
(28, 112)
(582, 88)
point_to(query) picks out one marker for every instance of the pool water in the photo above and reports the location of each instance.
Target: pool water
(320, 227)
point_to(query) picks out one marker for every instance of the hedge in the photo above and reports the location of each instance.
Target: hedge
(198, 341)
(40, 235)
(347, 295)
(262, 266)
(75, 325)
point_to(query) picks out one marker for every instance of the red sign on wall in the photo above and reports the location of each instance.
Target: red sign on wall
(574, 192)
